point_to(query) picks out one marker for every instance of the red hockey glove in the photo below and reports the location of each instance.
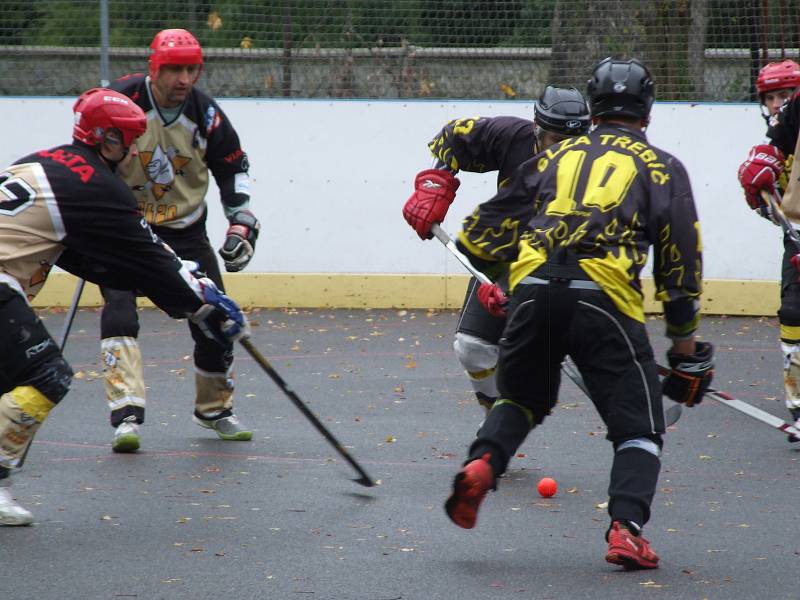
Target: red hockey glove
(493, 299)
(240, 241)
(691, 374)
(434, 191)
(759, 172)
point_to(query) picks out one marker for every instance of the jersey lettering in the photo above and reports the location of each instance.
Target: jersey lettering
(158, 213)
(76, 164)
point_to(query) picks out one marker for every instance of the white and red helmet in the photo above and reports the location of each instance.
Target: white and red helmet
(175, 47)
(99, 109)
(783, 75)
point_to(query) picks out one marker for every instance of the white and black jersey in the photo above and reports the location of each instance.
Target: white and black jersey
(64, 206)
(170, 178)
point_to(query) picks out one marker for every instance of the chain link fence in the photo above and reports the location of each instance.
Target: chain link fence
(698, 50)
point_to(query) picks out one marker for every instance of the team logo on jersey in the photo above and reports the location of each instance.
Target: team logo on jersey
(39, 276)
(161, 167)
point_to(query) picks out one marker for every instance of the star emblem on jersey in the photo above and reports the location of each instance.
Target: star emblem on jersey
(161, 166)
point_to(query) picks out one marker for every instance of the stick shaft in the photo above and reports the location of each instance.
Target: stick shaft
(775, 206)
(73, 308)
(273, 374)
(448, 243)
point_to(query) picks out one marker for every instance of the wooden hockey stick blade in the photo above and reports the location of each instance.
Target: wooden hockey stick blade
(748, 409)
(672, 414)
(365, 479)
(448, 243)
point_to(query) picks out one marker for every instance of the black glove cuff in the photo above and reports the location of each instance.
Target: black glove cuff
(247, 219)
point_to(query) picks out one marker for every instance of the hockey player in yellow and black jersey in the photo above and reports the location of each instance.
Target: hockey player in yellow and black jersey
(575, 224)
(188, 140)
(480, 145)
(65, 206)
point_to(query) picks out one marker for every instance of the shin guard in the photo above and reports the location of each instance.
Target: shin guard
(22, 411)
(214, 393)
(123, 378)
(791, 376)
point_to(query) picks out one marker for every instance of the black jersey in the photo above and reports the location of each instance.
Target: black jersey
(482, 144)
(170, 179)
(604, 198)
(784, 126)
(65, 206)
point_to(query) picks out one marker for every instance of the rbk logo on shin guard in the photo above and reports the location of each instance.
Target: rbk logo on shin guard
(38, 348)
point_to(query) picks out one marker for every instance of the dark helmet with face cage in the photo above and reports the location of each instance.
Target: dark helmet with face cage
(562, 111)
(621, 88)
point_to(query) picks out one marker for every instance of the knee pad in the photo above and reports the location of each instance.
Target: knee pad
(475, 354)
(119, 317)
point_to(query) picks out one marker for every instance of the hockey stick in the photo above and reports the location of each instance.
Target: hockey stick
(365, 479)
(73, 308)
(774, 202)
(748, 409)
(448, 243)
(671, 415)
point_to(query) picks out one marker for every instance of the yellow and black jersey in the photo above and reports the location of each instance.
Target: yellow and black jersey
(482, 144)
(64, 206)
(170, 177)
(603, 199)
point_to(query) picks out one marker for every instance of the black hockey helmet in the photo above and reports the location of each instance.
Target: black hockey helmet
(622, 88)
(563, 111)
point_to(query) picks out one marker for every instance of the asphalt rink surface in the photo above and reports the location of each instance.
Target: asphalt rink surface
(191, 516)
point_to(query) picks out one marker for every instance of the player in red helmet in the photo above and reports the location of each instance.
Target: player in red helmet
(188, 140)
(65, 206)
(99, 111)
(776, 83)
(766, 169)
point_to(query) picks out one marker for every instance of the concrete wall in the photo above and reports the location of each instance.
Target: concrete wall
(329, 179)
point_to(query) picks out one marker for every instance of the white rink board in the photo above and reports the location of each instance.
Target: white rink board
(329, 178)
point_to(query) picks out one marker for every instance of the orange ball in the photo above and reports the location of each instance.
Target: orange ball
(547, 487)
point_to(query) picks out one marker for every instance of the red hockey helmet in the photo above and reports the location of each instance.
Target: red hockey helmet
(99, 109)
(175, 47)
(778, 76)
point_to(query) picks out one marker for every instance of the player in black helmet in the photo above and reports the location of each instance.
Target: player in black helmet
(482, 144)
(574, 225)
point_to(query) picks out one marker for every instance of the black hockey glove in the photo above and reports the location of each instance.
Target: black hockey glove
(691, 374)
(240, 241)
